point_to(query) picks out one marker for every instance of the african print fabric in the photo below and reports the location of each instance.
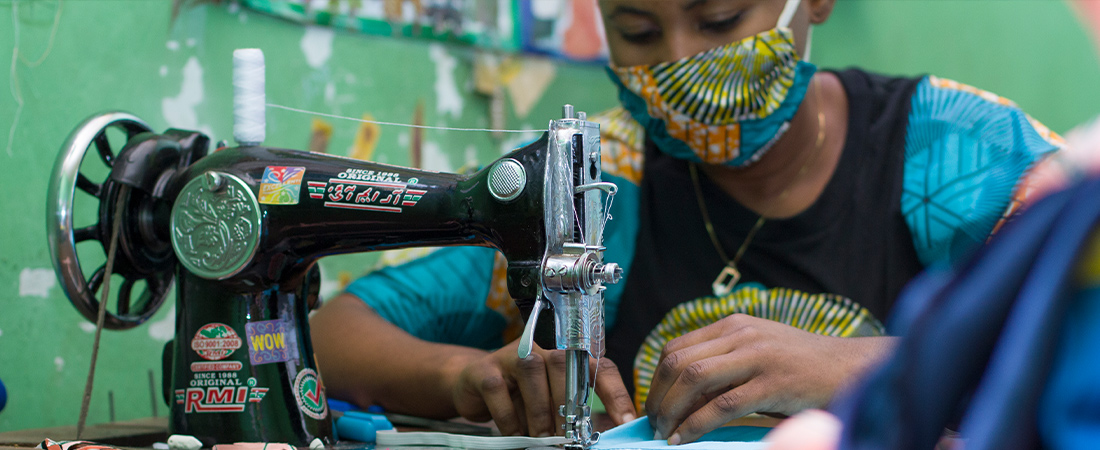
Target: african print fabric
(727, 105)
(824, 314)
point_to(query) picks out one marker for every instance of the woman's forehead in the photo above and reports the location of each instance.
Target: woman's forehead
(670, 5)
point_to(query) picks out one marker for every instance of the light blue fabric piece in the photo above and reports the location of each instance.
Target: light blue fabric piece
(639, 434)
(441, 297)
(964, 157)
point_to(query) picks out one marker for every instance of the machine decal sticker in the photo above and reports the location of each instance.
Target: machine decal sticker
(231, 398)
(281, 185)
(215, 341)
(310, 394)
(382, 196)
(270, 341)
(316, 189)
(221, 366)
(369, 175)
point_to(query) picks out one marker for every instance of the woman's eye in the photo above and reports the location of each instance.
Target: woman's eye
(640, 37)
(722, 25)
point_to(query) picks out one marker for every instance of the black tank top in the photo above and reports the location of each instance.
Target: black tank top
(853, 241)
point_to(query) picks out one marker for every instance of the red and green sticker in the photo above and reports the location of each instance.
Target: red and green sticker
(215, 341)
(310, 394)
(219, 399)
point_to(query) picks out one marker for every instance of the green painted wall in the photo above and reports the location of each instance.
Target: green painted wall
(116, 54)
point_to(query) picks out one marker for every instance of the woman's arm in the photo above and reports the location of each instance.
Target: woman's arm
(370, 361)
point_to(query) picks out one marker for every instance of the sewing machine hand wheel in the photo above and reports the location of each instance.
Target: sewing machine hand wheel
(142, 256)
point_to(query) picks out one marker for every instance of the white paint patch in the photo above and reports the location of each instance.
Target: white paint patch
(88, 327)
(234, 7)
(165, 329)
(330, 92)
(242, 17)
(446, 91)
(504, 17)
(330, 288)
(470, 157)
(190, 42)
(435, 159)
(1, 332)
(36, 282)
(349, 78)
(59, 362)
(403, 140)
(179, 111)
(316, 45)
(372, 10)
(546, 10)
(163, 71)
(172, 45)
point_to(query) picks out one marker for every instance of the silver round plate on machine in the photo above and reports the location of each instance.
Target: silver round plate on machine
(507, 179)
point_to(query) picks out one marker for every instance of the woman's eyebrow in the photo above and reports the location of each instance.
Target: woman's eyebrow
(694, 4)
(621, 10)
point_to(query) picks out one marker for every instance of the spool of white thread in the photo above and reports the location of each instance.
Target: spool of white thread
(249, 99)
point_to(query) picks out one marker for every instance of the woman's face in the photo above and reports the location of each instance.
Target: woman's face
(645, 32)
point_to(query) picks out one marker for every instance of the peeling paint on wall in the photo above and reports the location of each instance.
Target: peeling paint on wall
(36, 282)
(165, 329)
(316, 45)
(448, 99)
(59, 362)
(435, 158)
(179, 111)
(87, 327)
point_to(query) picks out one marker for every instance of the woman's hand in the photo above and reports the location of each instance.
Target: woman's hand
(522, 395)
(743, 364)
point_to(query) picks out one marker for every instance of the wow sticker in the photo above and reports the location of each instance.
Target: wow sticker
(271, 341)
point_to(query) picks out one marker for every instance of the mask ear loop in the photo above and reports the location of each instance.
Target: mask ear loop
(788, 13)
(809, 44)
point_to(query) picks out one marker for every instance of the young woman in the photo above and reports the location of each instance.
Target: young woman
(768, 215)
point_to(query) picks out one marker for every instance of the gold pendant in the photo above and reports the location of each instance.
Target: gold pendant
(726, 280)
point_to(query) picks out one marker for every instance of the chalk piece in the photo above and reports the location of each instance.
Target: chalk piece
(160, 446)
(316, 444)
(183, 442)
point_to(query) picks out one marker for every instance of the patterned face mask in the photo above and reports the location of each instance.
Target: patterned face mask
(727, 105)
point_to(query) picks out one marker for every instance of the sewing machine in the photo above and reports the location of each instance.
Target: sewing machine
(239, 232)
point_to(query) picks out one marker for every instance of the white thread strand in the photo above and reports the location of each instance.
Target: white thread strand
(249, 98)
(427, 127)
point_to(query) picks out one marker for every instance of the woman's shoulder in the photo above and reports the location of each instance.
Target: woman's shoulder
(968, 153)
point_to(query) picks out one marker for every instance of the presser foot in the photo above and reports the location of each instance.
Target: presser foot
(579, 429)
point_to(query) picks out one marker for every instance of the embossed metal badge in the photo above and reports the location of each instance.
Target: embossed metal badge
(215, 225)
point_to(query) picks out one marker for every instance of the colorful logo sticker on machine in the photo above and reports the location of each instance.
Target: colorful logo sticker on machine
(219, 393)
(310, 394)
(367, 190)
(270, 341)
(215, 341)
(281, 185)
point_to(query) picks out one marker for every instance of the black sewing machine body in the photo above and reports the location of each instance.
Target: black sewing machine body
(241, 229)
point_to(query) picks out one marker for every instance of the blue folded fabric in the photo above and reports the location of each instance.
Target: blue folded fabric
(639, 434)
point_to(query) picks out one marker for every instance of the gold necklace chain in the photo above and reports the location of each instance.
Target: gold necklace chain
(730, 275)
